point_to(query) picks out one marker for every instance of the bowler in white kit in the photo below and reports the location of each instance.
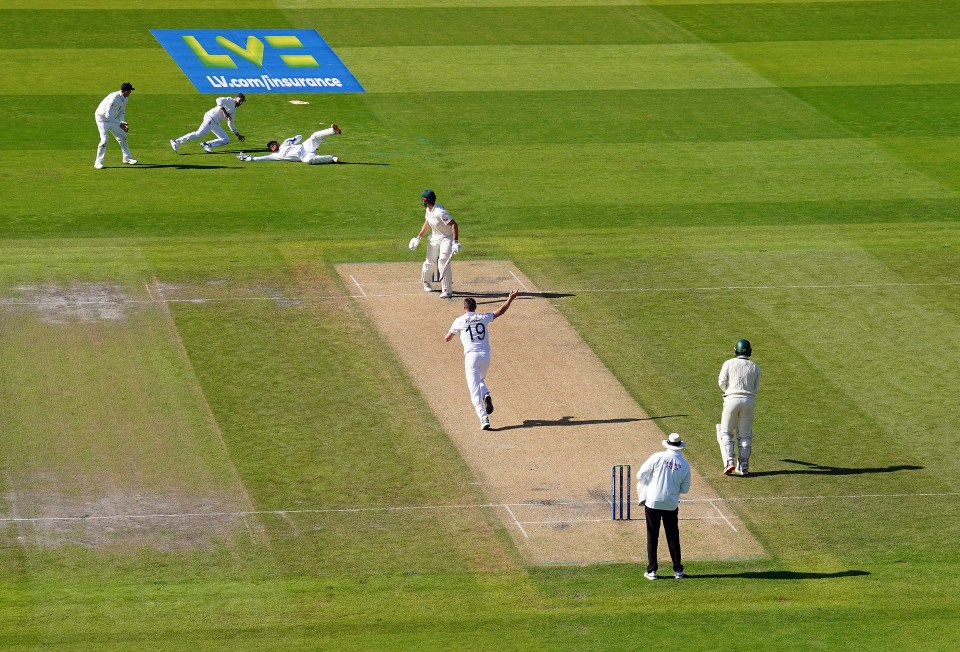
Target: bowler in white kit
(474, 330)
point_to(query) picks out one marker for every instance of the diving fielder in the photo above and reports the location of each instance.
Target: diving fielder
(442, 246)
(475, 336)
(292, 149)
(739, 380)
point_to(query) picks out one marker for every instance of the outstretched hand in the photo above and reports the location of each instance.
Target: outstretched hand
(241, 137)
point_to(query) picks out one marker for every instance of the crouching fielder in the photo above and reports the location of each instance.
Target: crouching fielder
(474, 330)
(739, 380)
(444, 243)
(292, 149)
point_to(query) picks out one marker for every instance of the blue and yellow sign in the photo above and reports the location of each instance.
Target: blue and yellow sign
(257, 61)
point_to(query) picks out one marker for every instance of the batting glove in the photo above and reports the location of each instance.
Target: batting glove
(456, 248)
(414, 243)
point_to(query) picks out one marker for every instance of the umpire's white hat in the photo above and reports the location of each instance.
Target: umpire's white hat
(674, 442)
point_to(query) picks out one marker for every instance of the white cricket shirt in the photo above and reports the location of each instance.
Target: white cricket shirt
(112, 106)
(662, 478)
(739, 376)
(474, 331)
(440, 222)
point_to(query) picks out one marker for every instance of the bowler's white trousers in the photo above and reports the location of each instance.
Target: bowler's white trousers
(475, 366)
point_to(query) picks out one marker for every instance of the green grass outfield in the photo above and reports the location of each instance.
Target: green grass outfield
(689, 172)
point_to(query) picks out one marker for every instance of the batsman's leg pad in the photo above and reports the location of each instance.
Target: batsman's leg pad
(725, 439)
(745, 446)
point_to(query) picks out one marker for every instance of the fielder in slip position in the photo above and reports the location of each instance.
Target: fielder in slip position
(110, 120)
(739, 380)
(443, 245)
(213, 120)
(474, 330)
(292, 149)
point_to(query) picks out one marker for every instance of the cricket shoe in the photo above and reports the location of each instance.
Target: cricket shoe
(336, 130)
(678, 575)
(98, 166)
(650, 575)
(176, 146)
(206, 147)
(130, 161)
(730, 468)
(336, 160)
(427, 287)
(485, 424)
(488, 404)
(446, 294)
(744, 472)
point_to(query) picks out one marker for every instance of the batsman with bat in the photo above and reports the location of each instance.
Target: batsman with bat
(442, 246)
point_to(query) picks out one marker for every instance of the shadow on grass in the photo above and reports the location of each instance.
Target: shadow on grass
(812, 468)
(781, 575)
(570, 421)
(179, 166)
(503, 295)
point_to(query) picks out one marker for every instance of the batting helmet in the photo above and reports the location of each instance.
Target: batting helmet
(742, 347)
(428, 197)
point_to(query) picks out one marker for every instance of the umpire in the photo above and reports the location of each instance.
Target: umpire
(661, 480)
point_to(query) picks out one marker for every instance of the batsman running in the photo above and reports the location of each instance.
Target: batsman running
(442, 246)
(739, 380)
(474, 329)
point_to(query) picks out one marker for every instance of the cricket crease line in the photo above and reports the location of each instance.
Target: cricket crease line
(525, 289)
(507, 506)
(159, 298)
(714, 505)
(513, 516)
(357, 283)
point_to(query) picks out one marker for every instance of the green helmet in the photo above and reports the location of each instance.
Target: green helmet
(742, 347)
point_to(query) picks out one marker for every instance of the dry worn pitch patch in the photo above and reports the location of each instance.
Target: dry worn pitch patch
(561, 419)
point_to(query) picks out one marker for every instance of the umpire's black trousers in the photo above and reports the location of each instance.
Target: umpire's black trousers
(671, 529)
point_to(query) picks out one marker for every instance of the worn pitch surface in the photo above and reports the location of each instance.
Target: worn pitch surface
(561, 419)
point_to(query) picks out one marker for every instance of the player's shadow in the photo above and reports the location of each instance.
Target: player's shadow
(811, 468)
(360, 163)
(780, 575)
(570, 421)
(179, 166)
(520, 295)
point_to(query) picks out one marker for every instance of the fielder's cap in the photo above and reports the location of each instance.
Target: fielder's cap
(674, 442)
(241, 96)
(127, 86)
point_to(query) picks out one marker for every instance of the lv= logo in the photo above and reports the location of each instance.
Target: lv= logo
(252, 52)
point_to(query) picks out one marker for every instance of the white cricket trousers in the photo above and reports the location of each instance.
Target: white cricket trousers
(439, 252)
(311, 144)
(737, 417)
(111, 126)
(475, 366)
(208, 125)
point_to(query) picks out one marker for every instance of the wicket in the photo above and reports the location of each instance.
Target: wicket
(618, 496)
